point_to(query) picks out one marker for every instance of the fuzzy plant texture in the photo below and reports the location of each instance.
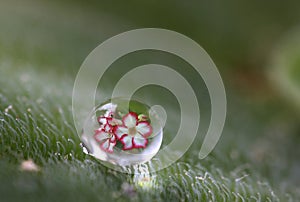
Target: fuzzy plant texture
(42, 45)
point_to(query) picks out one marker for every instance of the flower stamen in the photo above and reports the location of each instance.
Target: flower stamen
(132, 131)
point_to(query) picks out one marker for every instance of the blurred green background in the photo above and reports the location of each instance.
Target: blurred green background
(256, 47)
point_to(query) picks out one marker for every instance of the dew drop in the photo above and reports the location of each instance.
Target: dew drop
(84, 149)
(8, 108)
(122, 132)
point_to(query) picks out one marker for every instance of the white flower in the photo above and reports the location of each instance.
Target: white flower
(133, 133)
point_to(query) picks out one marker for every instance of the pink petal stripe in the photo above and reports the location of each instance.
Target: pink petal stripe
(127, 142)
(139, 141)
(113, 139)
(111, 147)
(130, 120)
(107, 128)
(107, 146)
(101, 135)
(119, 131)
(144, 128)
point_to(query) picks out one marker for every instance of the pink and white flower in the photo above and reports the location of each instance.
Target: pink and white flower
(102, 120)
(133, 133)
(104, 135)
(106, 138)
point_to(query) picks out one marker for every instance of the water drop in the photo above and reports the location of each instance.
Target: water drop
(122, 132)
(84, 149)
(8, 108)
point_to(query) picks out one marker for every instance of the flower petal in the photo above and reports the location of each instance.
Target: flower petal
(130, 120)
(113, 138)
(144, 128)
(119, 131)
(127, 142)
(107, 128)
(139, 141)
(101, 135)
(111, 147)
(103, 120)
(107, 146)
(114, 122)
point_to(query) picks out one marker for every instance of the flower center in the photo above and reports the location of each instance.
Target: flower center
(132, 131)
